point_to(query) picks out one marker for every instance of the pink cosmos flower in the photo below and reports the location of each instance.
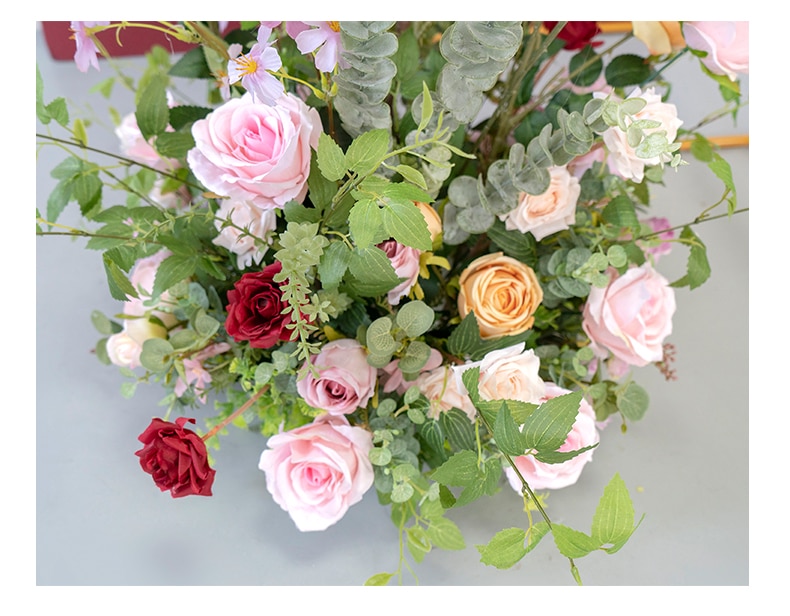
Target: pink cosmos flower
(85, 55)
(253, 69)
(196, 374)
(322, 38)
(661, 226)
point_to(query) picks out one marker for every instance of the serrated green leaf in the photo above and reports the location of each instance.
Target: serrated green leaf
(174, 144)
(459, 470)
(334, 263)
(406, 225)
(697, 266)
(509, 438)
(330, 157)
(627, 70)
(558, 457)
(366, 223)
(173, 270)
(120, 287)
(372, 272)
(445, 534)
(547, 428)
(418, 542)
(506, 548)
(367, 151)
(573, 543)
(613, 522)
(620, 212)
(410, 174)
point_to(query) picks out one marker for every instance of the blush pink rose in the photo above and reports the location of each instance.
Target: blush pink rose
(316, 472)
(134, 145)
(251, 151)
(123, 350)
(345, 381)
(549, 212)
(406, 262)
(660, 245)
(441, 387)
(726, 43)
(623, 159)
(631, 317)
(543, 476)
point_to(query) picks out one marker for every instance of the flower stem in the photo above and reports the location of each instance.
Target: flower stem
(235, 413)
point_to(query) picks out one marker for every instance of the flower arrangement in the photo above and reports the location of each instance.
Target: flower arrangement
(417, 257)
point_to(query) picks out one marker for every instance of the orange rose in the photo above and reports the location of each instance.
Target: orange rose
(660, 37)
(503, 293)
(431, 218)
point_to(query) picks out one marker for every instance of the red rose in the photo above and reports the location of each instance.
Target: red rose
(176, 458)
(577, 34)
(255, 309)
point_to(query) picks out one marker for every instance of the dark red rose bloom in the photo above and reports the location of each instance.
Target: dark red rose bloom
(255, 309)
(577, 34)
(176, 458)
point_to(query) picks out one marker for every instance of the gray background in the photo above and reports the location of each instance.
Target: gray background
(101, 521)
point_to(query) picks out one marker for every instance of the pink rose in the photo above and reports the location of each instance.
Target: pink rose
(142, 277)
(444, 392)
(549, 212)
(622, 157)
(508, 374)
(582, 163)
(255, 152)
(632, 316)
(134, 145)
(345, 382)
(543, 476)
(726, 43)
(391, 377)
(406, 262)
(316, 472)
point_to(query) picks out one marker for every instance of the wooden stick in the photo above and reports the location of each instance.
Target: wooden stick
(723, 141)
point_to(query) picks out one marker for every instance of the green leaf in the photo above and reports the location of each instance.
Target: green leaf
(58, 111)
(173, 270)
(174, 144)
(404, 222)
(626, 70)
(547, 428)
(573, 543)
(418, 542)
(507, 547)
(723, 171)
(613, 522)
(334, 263)
(620, 212)
(367, 151)
(191, 65)
(508, 438)
(459, 430)
(206, 325)
(410, 174)
(156, 355)
(120, 287)
(558, 457)
(86, 188)
(585, 67)
(380, 579)
(331, 160)
(459, 470)
(445, 534)
(184, 115)
(378, 337)
(58, 200)
(415, 318)
(633, 401)
(153, 114)
(183, 339)
(697, 266)
(372, 272)
(426, 110)
(415, 357)
(103, 325)
(365, 222)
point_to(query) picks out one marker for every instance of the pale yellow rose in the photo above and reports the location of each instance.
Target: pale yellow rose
(660, 37)
(432, 218)
(503, 293)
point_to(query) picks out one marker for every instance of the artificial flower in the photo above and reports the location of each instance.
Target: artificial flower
(86, 52)
(253, 70)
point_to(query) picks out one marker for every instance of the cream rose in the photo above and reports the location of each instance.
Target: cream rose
(660, 37)
(544, 476)
(551, 211)
(502, 292)
(631, 317)
(123, 350)
(508, 374)
(622, 157)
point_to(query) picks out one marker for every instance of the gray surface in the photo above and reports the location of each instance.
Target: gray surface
(101, 521)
